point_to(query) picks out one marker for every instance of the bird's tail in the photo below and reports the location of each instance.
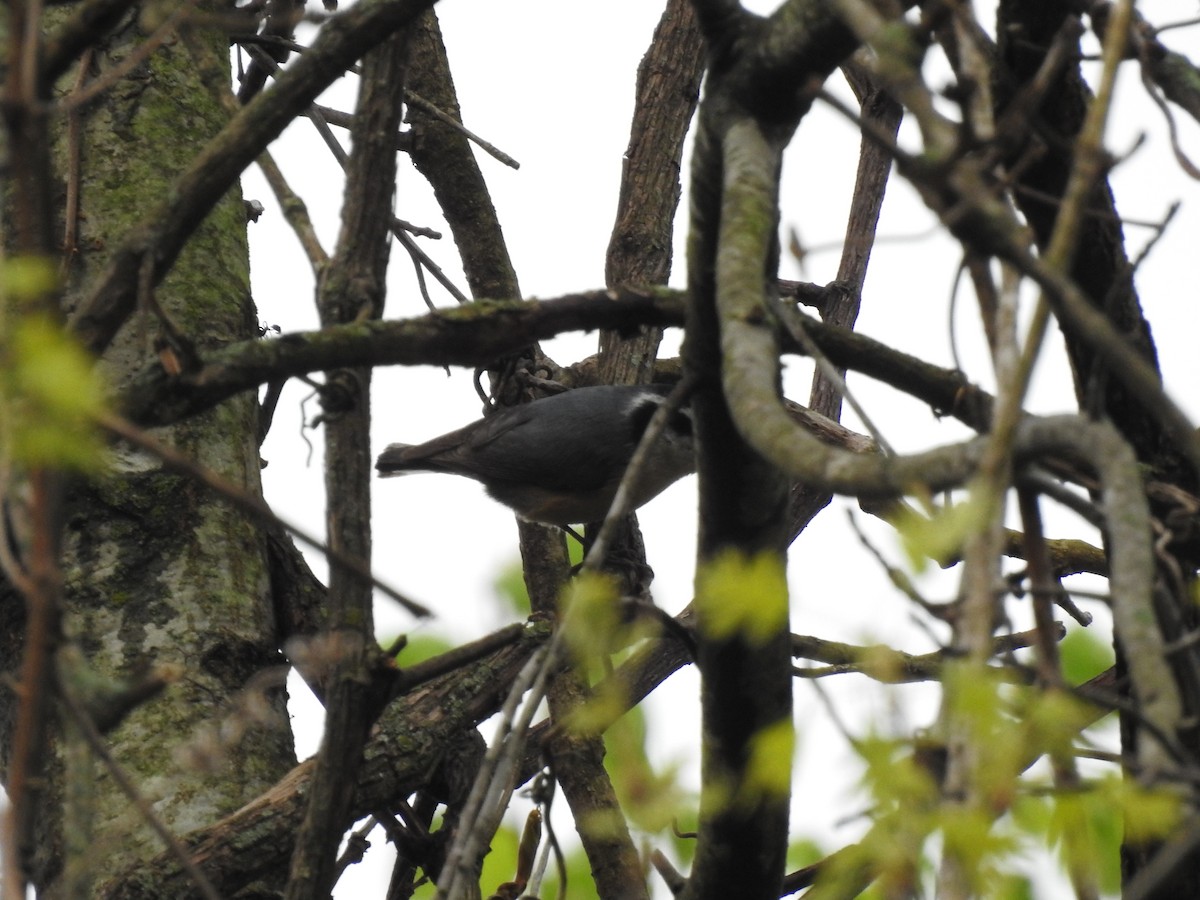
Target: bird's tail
(394, 460)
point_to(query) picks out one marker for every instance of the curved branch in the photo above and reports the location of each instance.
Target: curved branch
(750, 367)
(750, 372)
(1131, 567)
(750, 364)
(746, 677)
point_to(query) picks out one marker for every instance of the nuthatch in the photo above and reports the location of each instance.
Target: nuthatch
(559, 460)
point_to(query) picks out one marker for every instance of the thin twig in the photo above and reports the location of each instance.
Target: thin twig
(91, 735)
(409, 244)
(249, 503)
(273, 68)
(43, 613)
(399, 229)
(1148, 83)
(10, 563)
(633, 472)
(74, 145)
(295, 212)
(418, 230)
(357, 846)
(346, 120)
(343, 120)
(671, 877)
(897, 576)
(795, 327)
(139, 55)
(446, 118)
(495, 771)
(889, 666)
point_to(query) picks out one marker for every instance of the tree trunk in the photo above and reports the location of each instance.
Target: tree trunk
(158, 571)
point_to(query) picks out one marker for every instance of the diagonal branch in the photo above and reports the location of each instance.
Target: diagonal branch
(164, 231)
(400, 758)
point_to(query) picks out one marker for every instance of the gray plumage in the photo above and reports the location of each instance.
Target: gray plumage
(559, 460)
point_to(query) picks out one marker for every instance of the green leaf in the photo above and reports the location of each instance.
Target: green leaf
(1087, 836)
(53, 370)
(509, 585)
(1149, 814)
(769, 770)
(500, 865)
(1032, 813)
(804, 852)
(941, 536)
(590, 616)
(893, 776)
(27, 277)
(605, 705)
(50, 394)
(1052, 719)
(740, 596)
(979, 848)
(1087, 826)
(652, 800)
(1084, 655)
(420, 647)
(574, 550)
(1010, 886)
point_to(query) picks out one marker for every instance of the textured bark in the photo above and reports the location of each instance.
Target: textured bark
(639, 251)
(1101, 267)
(1104, 273)
(746, 684)
(352, 288)
(401, 757)
(157, 570)
(881, 115)
(443, 155)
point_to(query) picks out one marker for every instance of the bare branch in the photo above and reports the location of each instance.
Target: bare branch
(163, 231)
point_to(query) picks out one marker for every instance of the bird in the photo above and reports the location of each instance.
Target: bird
(559, 460)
